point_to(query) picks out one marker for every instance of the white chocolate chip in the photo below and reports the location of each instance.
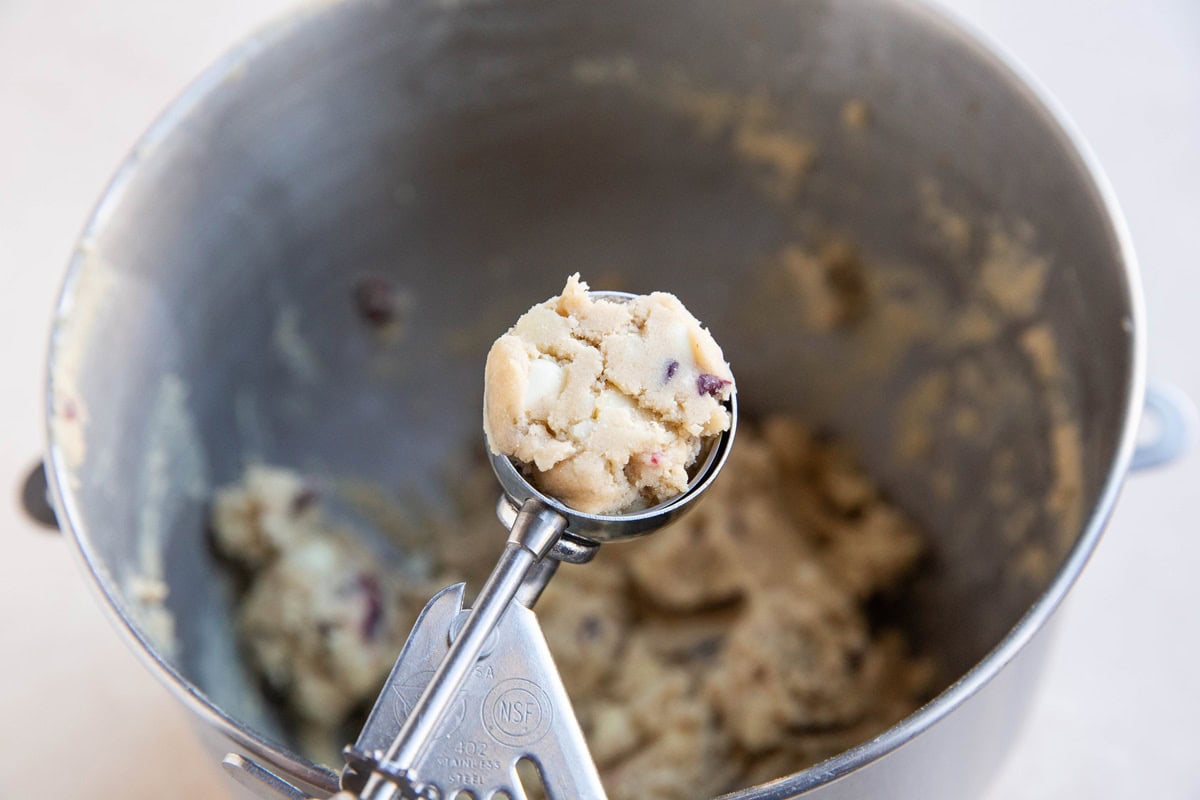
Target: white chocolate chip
(545, 382)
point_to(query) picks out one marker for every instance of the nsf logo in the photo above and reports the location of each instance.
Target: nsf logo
(517, 712)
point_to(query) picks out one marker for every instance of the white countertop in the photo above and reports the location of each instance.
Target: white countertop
(80, 80)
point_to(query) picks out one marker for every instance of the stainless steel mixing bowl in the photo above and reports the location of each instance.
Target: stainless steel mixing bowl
(475, 152)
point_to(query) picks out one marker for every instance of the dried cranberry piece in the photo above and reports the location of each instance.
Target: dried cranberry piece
(710, 384)
(375, 299)
(303, 500)
(590, 628)
(369, 586)
(705, 649)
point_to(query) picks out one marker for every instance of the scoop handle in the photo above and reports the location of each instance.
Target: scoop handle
(532, 537)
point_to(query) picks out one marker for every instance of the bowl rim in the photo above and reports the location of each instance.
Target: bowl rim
(939, 21)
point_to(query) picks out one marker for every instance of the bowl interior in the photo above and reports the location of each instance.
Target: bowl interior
(476, 153)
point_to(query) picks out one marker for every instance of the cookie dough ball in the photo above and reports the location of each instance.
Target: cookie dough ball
(608, 402)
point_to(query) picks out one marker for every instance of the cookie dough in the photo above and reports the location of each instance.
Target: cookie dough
(323, 618)
(607, 402)
(745, 648)
(733, 648)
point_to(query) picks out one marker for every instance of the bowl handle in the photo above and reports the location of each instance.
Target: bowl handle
(35, 498)
(1169, 425)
